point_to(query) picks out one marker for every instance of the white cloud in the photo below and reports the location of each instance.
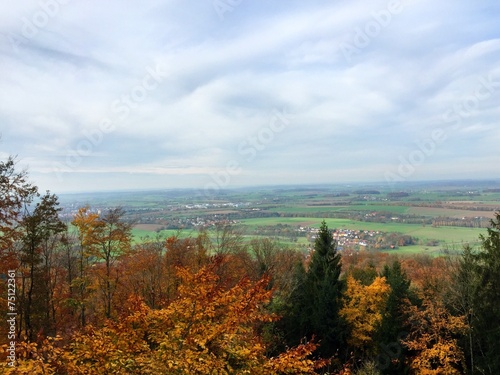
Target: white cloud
(352, 119)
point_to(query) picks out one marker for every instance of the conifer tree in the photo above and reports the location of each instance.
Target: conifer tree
(394, 327)
(485, 309)
(316, 298)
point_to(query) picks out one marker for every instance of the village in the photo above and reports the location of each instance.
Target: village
(353, 239)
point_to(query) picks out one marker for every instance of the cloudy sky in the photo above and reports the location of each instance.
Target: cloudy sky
(100, 95)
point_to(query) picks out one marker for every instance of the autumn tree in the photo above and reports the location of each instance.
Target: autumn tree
(43, 358)
(363, 310)
(268, 257)
(15, 193)
(64, 280)
(145, 274)
(150, 268)
(427, 273)
(207, 329)
(103, 239)
(114, 237)
(433, 340)
(88, 231)
(40, 229)
(227, 238)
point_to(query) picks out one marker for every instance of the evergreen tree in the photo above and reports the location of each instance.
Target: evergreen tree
(394, 323)
(476, 296)
(486, 303)
(297, 310)
(461, 299)
(315, 301)
(323, 278)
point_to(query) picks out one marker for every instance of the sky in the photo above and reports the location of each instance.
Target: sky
(215, 94)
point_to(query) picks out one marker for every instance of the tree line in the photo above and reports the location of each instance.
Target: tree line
(88, 300)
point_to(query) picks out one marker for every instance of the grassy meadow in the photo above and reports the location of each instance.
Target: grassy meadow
(307, 206)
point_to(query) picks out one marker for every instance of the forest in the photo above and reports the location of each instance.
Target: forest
(81, 297)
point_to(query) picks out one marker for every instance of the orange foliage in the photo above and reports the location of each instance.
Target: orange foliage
(426, 273)
(362, 259)
(433, 339)
(35, 359)
(363, 309)
(207, 329)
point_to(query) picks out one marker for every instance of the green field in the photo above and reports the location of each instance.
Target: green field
(449, 236)
(140, 235)
(467, 205)
(347, 208)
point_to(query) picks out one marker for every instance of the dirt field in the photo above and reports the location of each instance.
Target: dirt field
(148, 227)
(449, 212)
